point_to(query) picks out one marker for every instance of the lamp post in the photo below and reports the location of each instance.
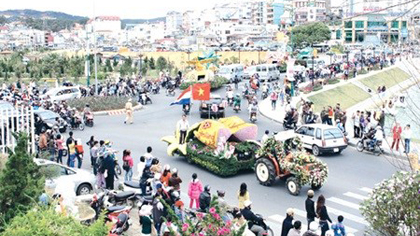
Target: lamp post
(140, 65)
(313, 72)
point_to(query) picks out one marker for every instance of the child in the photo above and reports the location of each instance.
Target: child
(338, 228)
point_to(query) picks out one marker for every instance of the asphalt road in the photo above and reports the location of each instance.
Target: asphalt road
(352, 174)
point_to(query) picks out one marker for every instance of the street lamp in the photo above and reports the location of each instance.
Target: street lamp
(140, 64)
(312, 72)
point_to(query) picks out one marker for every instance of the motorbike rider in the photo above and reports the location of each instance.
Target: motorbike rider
(253, 109)
(292, 117)
(205, 198)
(369, 136)
(186, 107)
(229, 96)
(255, 224)
(378, 137)
(237, 101)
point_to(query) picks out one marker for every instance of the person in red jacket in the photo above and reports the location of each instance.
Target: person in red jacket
(194, 190)
(396, 135)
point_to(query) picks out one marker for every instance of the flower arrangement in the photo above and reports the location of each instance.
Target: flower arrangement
(293, 158)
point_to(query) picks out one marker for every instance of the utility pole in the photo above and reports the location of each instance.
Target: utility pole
(87, 61)
(94, 41)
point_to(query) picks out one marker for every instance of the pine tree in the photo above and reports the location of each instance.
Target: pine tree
(21, 182)
(152, 65)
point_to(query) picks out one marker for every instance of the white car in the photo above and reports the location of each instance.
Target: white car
(62, 93)
(83, 180)
(322, 138)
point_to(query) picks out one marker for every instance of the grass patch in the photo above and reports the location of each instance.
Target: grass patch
(100, 103)
(347, 95)
(388, 78)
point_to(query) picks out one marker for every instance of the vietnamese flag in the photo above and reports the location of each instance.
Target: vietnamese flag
(201, 91)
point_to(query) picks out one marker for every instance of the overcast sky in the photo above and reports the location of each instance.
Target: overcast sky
(138, 9)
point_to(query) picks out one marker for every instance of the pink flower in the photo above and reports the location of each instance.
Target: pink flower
(200, 234)
(216, 216)
(212, 210)
(226, 230)
(210, 226)
(200, 215)
(228, 223)
(185, 227)
(220, 232)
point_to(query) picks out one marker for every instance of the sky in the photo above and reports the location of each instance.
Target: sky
(133, 9)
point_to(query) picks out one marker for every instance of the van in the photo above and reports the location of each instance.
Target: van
(317, 63)
(231, 72)
(268, 72)
(63, 93)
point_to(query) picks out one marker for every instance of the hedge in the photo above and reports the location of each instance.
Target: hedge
(204, 156)
(317, 87)
(100, 103)
(333, 81)
(216, 83)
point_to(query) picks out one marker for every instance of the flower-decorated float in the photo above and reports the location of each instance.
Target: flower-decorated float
(283, 157)
(223, 146)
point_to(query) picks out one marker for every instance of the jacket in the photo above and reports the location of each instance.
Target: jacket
(323, 214)
(204, 200)
(194, 189)
(287, 225)
(310, 209)
(310, 233)
(250, 217)
(174, 182)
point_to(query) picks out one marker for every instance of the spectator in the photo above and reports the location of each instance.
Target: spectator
(175, 180)
(287, 222)
(313, 227)
(148, 156)
(166, 175)
(69, 140)
(396, 135)
(406, 134)
(321, 211)
(94, 156)
(59, 143)
(72, 153)
(339, 229)
(128, 164)
(273, 97)
(194, 190)
(356, 124)
(310, 207)
(295, 231)
(243, 195)
(265, 136)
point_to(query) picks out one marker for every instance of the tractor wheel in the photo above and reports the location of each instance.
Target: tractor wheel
(316, 187)
(293, 186)
(265, 171)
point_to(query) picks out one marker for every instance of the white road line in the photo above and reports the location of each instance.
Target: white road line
(344, 203)
(347, 216)
(303, 214)
(368, 190)
(355, 195)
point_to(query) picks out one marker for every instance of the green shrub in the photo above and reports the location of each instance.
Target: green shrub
(317, 87)
(216, 83)
(204, 156)
(333, 81)
(47, 222)
(362, 71)
(100, 103)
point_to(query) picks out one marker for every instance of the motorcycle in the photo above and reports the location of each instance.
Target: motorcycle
(170, 92)
(78, 124)
(155, 89)
(144, 99)
(88, 117)
(230, 101)
(237, 108)
(62, 125)
(186, 109)
(253, 117)
(264, 95)
(267, 229)
(288, 125)
(117, 167)
(121, 224)
(373, 146)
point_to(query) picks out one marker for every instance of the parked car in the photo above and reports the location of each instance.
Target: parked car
(46, 119)
(231, 72)
(84, 181)
(322, 138)
(62, 93)
(212, 108)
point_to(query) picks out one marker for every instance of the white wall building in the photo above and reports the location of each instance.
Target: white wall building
(110, 24)
(173, 22)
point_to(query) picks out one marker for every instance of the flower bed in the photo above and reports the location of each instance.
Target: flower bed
(221, 163)
(100, 103)
(333, 81)
(216, 83)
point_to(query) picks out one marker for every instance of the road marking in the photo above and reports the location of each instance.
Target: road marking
(344, 203)
(347, 216)
(355, 195)
(368, 190)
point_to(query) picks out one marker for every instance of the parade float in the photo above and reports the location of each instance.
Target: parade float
(283, 157)
(224, 147)
(203, 71)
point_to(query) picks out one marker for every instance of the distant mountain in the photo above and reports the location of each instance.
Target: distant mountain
(15, 14)
(56, 21)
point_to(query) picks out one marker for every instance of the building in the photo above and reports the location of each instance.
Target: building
(391, 7)
(374, 29)
(278, 11)
(173, 22)
(110, 24)
(309, 11)
(262, 13)
(146, 33)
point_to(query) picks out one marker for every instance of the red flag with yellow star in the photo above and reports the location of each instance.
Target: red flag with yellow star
(201, 91)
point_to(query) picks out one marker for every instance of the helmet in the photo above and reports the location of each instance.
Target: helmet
(207, 188)
(220, 193)
(87, 105)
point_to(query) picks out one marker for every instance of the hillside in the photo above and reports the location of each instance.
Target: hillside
(41, 14)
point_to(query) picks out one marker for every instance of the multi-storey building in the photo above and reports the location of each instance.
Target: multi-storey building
(173, 22)
(309, 11)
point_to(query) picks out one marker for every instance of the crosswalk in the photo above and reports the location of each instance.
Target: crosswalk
(346, 205)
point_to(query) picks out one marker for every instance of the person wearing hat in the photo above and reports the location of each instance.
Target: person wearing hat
(166, 175)
(312, 231)
(287, 222)
(254, 222)
(129, 112)
(146, 221)
(310, 207)
(175, 181)
(223, 205)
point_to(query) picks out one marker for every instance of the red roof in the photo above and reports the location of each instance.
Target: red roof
(4, 28)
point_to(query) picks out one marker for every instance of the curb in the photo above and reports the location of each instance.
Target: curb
(116, 112)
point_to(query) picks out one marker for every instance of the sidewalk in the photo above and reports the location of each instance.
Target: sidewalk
(278, 114)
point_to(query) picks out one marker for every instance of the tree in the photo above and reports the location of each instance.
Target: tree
(145, 62)
(392, 208)
(311, 33)
(161, 63)
(152, 65)
(21, 181)
(108, 65)
(51, 223)
(115, 62)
